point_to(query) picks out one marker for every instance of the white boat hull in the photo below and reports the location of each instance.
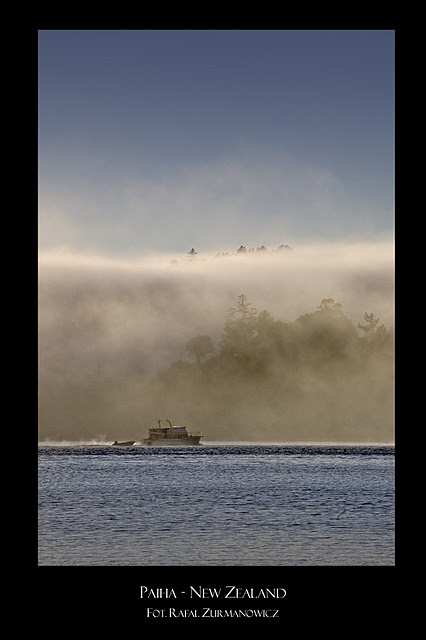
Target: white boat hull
(178, 442)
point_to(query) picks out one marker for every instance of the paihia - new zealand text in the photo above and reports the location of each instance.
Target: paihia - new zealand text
(231, 592)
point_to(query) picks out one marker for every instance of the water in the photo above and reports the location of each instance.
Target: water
(216, 505)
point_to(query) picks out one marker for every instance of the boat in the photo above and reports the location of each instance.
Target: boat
(171, 436)
(126, 443)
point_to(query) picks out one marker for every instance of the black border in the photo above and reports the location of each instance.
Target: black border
(318, 598)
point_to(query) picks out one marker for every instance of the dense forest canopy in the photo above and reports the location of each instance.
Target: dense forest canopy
(313, 379)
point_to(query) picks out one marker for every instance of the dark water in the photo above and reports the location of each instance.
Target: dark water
(216, 505)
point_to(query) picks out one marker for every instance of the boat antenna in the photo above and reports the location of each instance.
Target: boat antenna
(143, 420)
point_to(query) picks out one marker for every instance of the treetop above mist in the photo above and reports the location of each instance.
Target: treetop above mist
(193, 255)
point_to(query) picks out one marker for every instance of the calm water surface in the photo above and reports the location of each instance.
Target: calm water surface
(216, 505)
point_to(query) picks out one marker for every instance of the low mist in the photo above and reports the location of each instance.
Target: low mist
(113, 337)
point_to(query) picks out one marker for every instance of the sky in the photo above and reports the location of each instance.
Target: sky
(160, 141)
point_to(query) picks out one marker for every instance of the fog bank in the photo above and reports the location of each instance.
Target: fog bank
(107, 327)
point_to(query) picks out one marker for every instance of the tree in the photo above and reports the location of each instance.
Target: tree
(327, 333)
(192, 254)
(199, 347)
(242, 249)
(240, 327)
(370, 325)
(378, 335)
(264, 322)
(328, 305)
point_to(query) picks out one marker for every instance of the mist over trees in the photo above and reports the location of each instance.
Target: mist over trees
(199, 347)
(248, 347)
(318, 378)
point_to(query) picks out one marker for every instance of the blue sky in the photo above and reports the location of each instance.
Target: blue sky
(158, 141)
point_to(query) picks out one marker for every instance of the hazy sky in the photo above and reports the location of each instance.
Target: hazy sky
(167, 140)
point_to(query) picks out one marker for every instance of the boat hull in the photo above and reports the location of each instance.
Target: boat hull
(172, 442)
